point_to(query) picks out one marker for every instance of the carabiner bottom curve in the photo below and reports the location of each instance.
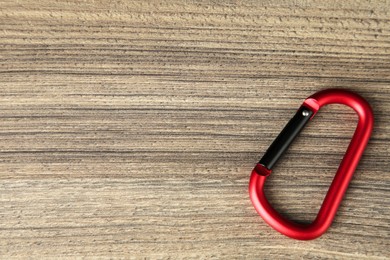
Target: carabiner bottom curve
(342, 177)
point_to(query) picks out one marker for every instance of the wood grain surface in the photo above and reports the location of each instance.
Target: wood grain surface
(129, 129)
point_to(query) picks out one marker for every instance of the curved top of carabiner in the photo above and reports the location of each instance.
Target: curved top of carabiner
(343, 175)
(344, 97)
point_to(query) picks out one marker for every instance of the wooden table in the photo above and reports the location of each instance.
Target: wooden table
(129, 129)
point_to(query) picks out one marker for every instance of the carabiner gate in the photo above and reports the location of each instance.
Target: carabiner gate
(343, 175)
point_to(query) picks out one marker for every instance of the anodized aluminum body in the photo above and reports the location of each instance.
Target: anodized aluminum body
(341, 180)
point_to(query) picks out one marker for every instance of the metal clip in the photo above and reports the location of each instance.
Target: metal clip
(343, 175)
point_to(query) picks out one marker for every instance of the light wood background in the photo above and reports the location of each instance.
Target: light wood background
(129, 129)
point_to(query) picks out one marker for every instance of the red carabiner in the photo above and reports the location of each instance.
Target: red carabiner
(343, 175)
